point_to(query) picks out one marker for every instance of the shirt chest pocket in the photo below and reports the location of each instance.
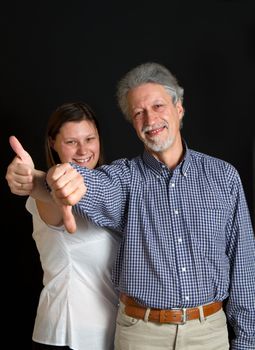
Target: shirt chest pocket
(206, 224)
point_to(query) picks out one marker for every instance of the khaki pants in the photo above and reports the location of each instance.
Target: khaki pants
(204, 334)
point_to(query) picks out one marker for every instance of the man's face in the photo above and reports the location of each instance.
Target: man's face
(154, 116)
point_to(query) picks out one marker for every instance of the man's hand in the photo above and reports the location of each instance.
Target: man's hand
(67, 187)
(66, 183)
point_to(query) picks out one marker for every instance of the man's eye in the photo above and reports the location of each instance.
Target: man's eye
(137, 114)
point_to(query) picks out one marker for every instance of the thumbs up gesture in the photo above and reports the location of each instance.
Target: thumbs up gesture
(20, 172)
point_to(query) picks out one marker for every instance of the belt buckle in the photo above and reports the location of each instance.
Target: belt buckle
(184, 316)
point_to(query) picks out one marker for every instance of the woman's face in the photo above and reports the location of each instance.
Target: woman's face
(78, 142)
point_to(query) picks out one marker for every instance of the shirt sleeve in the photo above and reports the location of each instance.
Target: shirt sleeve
(37, 221)
(240, 307)
(106, 197)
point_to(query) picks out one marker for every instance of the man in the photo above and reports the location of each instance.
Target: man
(188, 243)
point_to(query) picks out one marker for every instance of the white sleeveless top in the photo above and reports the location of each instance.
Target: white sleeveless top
(78, 305)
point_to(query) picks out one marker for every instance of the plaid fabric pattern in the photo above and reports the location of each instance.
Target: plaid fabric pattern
(187, 234)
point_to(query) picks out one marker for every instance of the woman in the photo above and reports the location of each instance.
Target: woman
(78, 305)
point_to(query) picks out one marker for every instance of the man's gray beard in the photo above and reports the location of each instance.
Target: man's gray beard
(159, 147)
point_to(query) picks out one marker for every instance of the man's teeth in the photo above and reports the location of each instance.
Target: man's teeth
(155, 131)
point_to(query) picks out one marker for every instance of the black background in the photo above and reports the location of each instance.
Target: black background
(58, 51)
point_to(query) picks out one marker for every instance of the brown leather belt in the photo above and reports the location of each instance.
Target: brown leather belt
(176, 316)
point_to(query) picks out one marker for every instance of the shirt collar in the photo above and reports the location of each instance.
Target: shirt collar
(158, 166)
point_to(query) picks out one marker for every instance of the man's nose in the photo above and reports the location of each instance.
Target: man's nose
(150, 116)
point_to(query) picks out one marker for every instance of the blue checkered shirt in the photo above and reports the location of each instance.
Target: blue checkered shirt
(187, 234)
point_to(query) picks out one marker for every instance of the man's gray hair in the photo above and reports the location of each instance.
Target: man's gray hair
(147, 73)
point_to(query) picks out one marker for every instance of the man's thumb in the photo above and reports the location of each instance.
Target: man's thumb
(68, 218)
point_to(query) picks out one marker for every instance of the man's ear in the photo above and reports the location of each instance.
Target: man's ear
(180, 109)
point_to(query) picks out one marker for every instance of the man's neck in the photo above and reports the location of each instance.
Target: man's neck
(172, 156)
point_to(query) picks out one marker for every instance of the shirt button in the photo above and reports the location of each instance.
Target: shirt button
(176, 212)
(183, 269)
(187, 297)
(172, 184)
(179, 240)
